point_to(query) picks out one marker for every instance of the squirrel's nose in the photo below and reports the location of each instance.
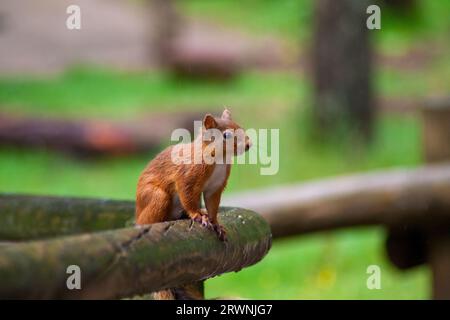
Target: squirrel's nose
(248, 145)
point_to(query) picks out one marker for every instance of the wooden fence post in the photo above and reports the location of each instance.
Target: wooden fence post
(436, 140)
(439, 260)
(436, 130)
(427, 240)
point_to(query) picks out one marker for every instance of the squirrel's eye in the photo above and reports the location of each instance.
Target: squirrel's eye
(227, 134)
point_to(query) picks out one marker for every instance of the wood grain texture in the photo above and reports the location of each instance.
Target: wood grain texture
(26, 217)
(388, 197)
(130, 261)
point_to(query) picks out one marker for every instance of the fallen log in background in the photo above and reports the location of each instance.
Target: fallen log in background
(126, 262)
(94, 137)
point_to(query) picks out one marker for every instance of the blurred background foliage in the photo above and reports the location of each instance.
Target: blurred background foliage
(324, 265)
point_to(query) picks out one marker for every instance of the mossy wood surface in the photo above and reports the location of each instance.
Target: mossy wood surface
(135, 260)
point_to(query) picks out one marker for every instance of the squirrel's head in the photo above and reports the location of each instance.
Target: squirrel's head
(231, 137)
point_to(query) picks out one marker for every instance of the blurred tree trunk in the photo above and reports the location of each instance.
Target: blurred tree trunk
(342, 68)
(168, 23)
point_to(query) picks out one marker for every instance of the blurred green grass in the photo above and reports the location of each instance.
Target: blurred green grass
(323, 266)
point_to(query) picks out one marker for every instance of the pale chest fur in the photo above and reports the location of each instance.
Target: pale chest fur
(216, 180)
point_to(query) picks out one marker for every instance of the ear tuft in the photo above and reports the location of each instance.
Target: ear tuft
(209, 122)
(226, 115)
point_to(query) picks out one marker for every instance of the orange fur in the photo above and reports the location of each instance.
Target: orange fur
(163, 183)
(162, 179)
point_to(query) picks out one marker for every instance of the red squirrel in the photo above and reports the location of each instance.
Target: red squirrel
(169, 190)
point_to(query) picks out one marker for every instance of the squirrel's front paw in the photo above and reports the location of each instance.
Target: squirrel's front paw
(205, 221)
(221, 233)
(202, 218)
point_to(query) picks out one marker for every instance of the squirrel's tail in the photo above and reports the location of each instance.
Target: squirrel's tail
(163, 295)
(186, 292)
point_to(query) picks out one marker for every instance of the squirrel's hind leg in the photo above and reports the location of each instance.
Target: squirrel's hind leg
(153, 205)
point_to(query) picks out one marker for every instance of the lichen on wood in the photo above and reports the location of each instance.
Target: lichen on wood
(26, 217)
(136, 260)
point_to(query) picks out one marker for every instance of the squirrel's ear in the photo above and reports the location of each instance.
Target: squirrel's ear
(209, 122)
(226, 115)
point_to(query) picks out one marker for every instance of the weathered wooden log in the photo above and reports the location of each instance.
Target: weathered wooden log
(131, 261)
(24, 217)
(390, 197)
(94, 137)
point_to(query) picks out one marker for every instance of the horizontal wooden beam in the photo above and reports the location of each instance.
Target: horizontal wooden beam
(388, 197)
(391, 197)
(130, 261)
(24, 217)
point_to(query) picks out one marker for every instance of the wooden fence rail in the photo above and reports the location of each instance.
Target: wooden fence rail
(130, 261)
(24, 217)
(413, 205)
(388, 198)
